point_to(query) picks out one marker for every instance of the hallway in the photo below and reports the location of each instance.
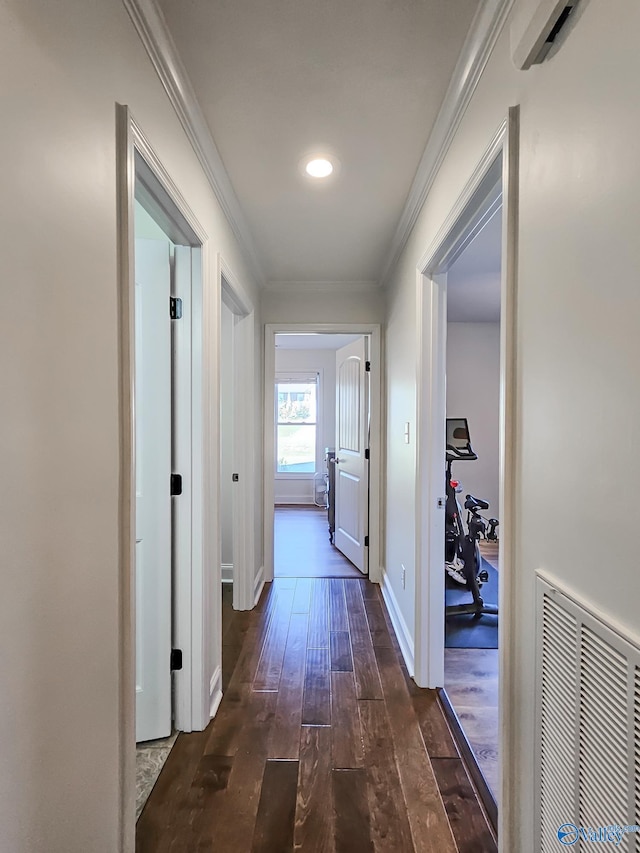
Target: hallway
(319, 743)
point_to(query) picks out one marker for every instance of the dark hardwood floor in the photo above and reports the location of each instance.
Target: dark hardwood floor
(471, 682)
(322, 742)
(302, 547)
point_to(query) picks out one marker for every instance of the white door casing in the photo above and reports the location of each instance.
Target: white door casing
(351, 465)
(153, 500)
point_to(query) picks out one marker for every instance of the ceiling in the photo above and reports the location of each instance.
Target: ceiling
(473, 282)
(314, 341)
(362, 80)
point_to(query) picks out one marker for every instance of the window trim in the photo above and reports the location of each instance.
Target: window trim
(293, 377)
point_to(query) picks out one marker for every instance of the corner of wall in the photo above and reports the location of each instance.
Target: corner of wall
(258, 585)
(215, 692)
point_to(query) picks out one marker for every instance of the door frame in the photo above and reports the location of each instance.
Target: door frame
(236, 298)
(376, 532)
(135, 157)
(431, 413)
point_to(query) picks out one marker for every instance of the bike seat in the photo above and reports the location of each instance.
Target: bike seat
(473, 504)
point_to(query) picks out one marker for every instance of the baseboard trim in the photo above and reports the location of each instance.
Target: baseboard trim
(258, 586)
(227, 572)
(399, 625)
(215, 692)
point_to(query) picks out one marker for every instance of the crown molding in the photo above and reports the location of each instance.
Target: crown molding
(476, 50)
(322, 287)
(152, 28)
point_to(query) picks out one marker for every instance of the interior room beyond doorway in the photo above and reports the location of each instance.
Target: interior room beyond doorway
(473, 392)
(307, 398)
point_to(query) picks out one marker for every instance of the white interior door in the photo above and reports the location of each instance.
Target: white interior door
(153, 499)
(352, 467)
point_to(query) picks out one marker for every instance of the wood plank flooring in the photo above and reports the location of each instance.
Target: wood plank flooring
(302, 548)
(322, 742)
(471, 682)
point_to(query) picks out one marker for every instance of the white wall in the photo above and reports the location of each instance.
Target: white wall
(577, 332)
(473, 392)
(65, 65)
(323, 306)
(226, 435)
(298, 488)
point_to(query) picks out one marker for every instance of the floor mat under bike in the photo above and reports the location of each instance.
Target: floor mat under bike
(465, 632)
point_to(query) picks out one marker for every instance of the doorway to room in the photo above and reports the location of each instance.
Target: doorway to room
(473, 398)
(322, 451)
(458, 379)
(164, 483)
(321, 472)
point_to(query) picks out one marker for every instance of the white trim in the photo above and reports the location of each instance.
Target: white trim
(226, 572)
(375, 443)
(397, 620)
(151, 26)
(183, 462)
(436, 254)
(431, 278)
(258, 585)
(431, 306)
(215, 692)
(125, 176)
(234, 295)
(508, 830)
(481, 39)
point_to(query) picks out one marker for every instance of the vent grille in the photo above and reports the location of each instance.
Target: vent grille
(604, 734)
(589, 723)
(558, 741)
(636, 752)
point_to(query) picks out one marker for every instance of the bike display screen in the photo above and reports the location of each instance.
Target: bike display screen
(458, 439)
(458, 433)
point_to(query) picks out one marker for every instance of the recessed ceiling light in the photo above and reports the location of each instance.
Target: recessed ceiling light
(319, 167)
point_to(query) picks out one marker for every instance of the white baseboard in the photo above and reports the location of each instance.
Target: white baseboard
(215, 692)
(406, 641)
(289, 500)
(258, 585)
(227, 572)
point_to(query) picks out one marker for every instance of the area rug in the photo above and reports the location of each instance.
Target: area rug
(465, 632)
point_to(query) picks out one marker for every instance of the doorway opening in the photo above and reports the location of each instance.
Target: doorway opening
(472, 369)
(466, 293)
(322, 451)
(164, 626)
(321, 473)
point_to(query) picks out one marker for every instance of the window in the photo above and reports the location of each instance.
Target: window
(296, 425)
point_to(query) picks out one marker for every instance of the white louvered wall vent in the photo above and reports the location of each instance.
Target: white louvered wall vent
(589, 726)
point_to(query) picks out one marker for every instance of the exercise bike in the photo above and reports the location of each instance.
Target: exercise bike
(462, 553)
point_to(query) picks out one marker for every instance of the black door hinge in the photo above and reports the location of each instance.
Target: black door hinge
(176, 484)
(235, 478)
(367, 366)
(366, 454)
(176, 659)
(175, 308)
(366, 541)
